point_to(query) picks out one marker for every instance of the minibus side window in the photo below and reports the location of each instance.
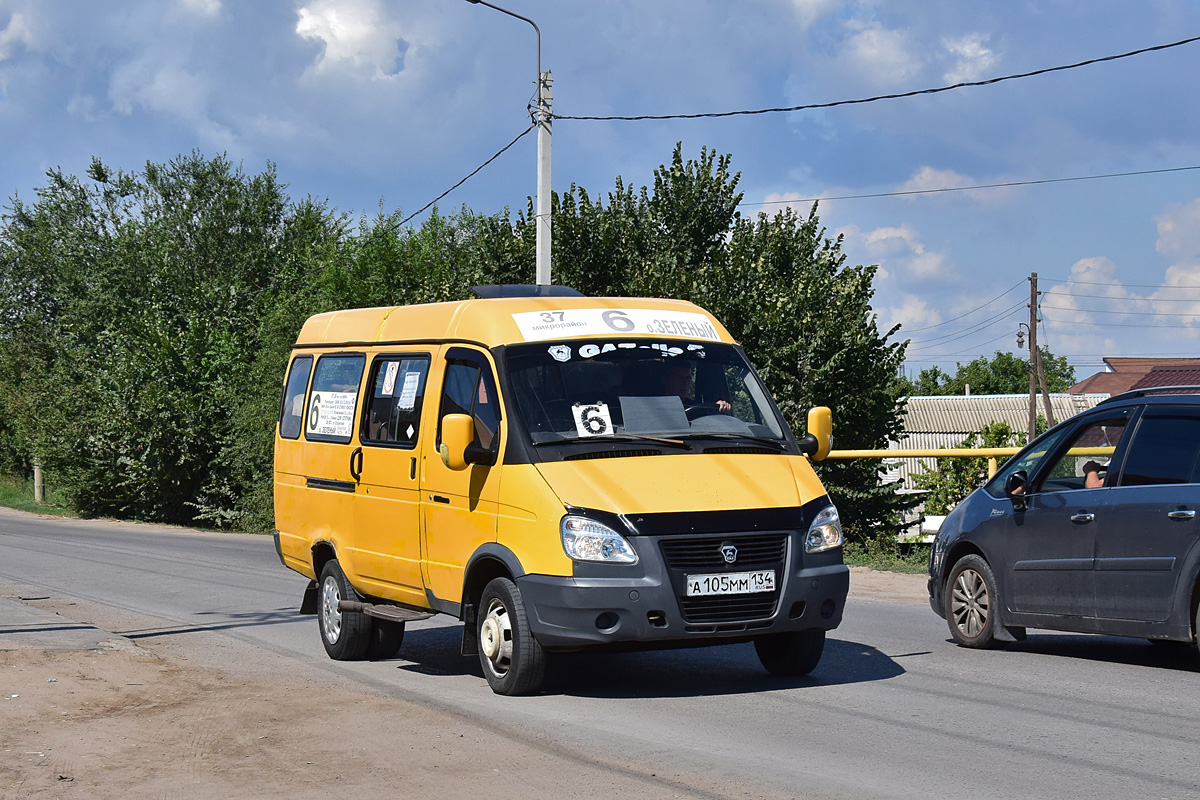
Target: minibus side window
(334, 395)
(393, 408)
(470, 389)
(291, 410)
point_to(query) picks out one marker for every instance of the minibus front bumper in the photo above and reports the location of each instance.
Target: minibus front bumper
(648, 605)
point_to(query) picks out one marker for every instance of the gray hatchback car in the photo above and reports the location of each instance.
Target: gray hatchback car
(1091, 528)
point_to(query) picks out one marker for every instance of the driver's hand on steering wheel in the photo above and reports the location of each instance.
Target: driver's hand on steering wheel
(724, 407)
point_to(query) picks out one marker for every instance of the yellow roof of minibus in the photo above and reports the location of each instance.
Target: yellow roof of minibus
(489, 322)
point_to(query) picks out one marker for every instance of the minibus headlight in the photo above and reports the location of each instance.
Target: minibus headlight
(585, 539)
(825, 533)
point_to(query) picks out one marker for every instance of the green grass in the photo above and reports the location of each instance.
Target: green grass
(18, 493)
(888, 555)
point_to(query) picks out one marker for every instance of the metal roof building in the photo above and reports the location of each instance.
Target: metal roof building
(945, 421)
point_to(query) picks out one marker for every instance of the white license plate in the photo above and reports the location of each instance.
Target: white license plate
(731, 583)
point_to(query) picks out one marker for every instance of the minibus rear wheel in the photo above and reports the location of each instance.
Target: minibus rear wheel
(795, 653)
(345, 634)
(513, 661)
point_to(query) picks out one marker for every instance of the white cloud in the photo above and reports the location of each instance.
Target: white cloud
(1179, 233)
(809, 11)
(878, 55)
(356, 34)
(169, 90)
(928, 179)
(912, 312)
(975, 60)
(902, 251)
(17, 32)
(204, 8)
(1095, 312)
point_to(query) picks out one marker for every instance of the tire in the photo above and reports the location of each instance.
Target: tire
(972, 602)
(513, 662)
(345, 634)
(794, 654)
(386, 638)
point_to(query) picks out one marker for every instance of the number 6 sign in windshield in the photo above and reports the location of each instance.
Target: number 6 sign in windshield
(593, 420)
(538, 325)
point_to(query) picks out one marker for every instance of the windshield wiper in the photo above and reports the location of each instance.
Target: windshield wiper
(780, 446)
(617, 437)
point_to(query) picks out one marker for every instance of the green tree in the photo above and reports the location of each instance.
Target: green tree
(955, 478)
(1004, 373)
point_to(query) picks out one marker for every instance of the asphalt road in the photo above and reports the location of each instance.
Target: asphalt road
(893, 710)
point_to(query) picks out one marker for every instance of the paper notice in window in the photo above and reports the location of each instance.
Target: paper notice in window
(331, 414)
(408, 392)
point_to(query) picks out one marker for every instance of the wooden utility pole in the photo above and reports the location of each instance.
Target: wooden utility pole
(1036, 367)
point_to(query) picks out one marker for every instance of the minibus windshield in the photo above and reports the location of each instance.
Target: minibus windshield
(583, 390)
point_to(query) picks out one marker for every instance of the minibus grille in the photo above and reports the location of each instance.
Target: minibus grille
(685, 556)
(753, 550)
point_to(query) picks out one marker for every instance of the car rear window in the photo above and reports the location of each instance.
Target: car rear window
(1165, 450)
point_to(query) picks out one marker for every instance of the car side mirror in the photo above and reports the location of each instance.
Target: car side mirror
(817, 443)
(458, 433)
(1015, 486)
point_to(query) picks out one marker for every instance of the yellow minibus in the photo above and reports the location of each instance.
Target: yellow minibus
(559, 473)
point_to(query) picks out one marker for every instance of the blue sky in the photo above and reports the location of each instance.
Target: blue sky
(369, 102)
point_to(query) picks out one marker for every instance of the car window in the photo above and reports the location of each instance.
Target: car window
(291, 414)
(1027, 461)
(1084, 462)
(393, 408)
(469, 388)
(1165, 450)
(333, 397)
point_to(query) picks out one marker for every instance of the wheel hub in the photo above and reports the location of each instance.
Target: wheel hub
(495, 638)
(489, 638)
(331, 617)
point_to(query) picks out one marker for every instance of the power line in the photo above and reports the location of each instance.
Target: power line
(376, 231)
(470, 175)
(969, 313)
(937, 341)
(1120, 311)
(940, 341)
(1146, 299)
(1119, 324)
(1005, 185)
(876, 98)
(1126, 285)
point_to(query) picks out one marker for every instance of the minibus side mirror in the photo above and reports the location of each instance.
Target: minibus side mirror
(1015, 486)
(458, 432)
(817, 443)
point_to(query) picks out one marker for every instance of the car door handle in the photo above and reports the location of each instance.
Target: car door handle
(1182, 513)
(437, 498)
(356, 471)
(1082, 518)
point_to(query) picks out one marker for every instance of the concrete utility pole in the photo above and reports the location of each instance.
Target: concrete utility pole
(543, 118)
(1033, 354)
(544, 121)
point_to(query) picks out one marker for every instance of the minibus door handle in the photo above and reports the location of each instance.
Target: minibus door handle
(356, 472)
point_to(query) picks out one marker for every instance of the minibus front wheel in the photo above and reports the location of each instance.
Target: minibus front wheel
(513, 661)
(345, 634)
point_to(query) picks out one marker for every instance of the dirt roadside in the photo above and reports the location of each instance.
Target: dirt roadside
(84, 713)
